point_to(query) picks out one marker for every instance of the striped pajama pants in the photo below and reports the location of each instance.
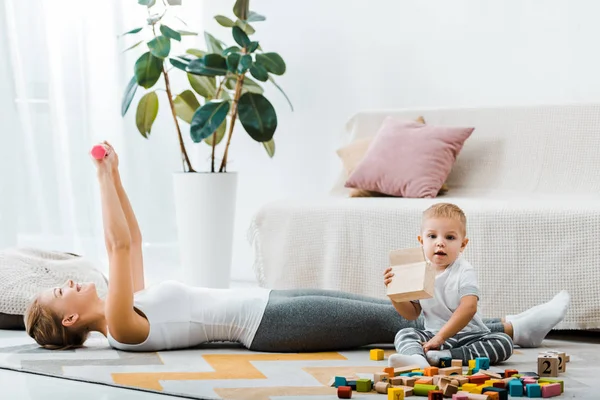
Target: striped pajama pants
(467, 346)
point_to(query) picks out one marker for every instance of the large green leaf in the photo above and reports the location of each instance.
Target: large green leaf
(179, 63)
(246, 27)
(208, 118)
(254, 17)
(160, 46)
(224, 21)
(219, 134)
(170, 33)
(259, 72)
(251, 86)
(282, 92)
(128, 95)
(209, 65)
(233, 59)
(231, 49)
(146, 113)
(258, 116)
(244, 64)
(272, 62)
(148, 70)
(269, 147)
(187, 33)
(241, 8)
(213, 44)
(131, 32)
(133, 46)
(252, 47)
(196, 52)
(240, 36)
(186, 105)
(205, 86)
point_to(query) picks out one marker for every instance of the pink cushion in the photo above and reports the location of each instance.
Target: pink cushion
(409, 159)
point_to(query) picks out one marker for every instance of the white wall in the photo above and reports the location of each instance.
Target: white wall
(347, 55)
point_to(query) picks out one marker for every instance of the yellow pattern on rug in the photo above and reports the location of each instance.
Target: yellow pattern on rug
(226, 366)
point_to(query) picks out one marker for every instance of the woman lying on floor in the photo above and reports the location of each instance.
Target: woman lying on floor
(172, 315)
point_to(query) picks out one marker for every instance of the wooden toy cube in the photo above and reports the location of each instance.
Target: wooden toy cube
(515, 388)
(414, 277)
(344, 392)
(548, 365)
(425, 380)
(550, 380)
(562, 363)
(431, 371)
(551, 390)
(456, 363)
(472, 364)
(376, 354)
(363, 385)
(482, 363)
(381, 377)
(340, 381)
(435, 395)
(510, 372)
(395, 394)
(450, 371)
(382, 387)
(502, 393)
(533, 390)
(446, 362)
(492, 395)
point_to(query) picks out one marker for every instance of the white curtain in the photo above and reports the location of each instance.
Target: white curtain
(62, 74)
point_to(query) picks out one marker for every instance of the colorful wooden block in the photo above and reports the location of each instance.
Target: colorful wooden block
(490, 374)
(492, 395)
(457, 396)
(435, 395)
(381, 377)
(344, 392)
(473, 396)
(395, 394)
(382, 387)
(548, 365)
(482, 363)
(515, 388)
(450, 371)
(472, 364)
(551, 390)
(478, 379)
(406, 381)
(550, 380)
(415, 374)
(468, 387)
(376, 354)
(502, 393)
(446, 362)
(398, 380)
(389, 371)
(456, 363)
(426, 380)
(351, 383)
(423, 390)
(499, 384)
(461, 379)
(409, 369)
(510, 372)
(408, 391)
(533, 390)
(364, 385)
(340, 381)
(431, 371)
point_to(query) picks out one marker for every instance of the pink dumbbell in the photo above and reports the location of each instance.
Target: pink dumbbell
(99, 152)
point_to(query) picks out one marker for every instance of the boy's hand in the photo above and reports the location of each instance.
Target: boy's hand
(387, 276)
(435, 343)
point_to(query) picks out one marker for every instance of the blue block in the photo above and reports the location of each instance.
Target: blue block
(352, 384)
(411, 374)
(515, 388)
(406, 374)
(340, 381)
(445, 362)
(482, 363)
(533, 390)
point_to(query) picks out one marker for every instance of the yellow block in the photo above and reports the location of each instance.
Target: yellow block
(543, 383)
(479, 389)
(472, 364)
(418, 370)
(376, 354)
(468, 387)
(395, 394)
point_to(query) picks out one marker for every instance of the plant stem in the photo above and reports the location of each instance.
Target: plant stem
(234, 110)
(214, 141)
(186, 159)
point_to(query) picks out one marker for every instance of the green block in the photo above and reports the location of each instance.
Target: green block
(423, 390)
(550, 380)
(517, 376)
(363, 385)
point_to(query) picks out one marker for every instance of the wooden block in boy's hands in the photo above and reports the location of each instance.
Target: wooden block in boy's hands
(414, 277)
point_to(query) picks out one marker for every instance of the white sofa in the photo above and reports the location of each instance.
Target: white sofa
(528, 179)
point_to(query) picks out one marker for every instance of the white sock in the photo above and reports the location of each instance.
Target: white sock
(531, 327)
(401, 360)
(434, 356)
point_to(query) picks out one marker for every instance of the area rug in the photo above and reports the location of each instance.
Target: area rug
(231, 372)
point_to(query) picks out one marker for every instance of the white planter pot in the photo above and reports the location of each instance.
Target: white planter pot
(205, 211)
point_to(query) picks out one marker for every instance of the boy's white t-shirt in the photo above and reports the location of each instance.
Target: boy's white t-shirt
(457, 280)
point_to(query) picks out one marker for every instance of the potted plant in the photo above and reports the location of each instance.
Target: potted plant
(220, 93)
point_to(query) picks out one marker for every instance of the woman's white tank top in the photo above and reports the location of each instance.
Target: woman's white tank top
(181, 316)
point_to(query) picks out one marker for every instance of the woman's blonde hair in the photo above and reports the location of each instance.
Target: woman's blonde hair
(46, 328)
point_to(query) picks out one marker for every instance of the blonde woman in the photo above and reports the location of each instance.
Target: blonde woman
(172, 315)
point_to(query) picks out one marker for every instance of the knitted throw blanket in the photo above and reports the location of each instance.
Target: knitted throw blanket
(24, 272)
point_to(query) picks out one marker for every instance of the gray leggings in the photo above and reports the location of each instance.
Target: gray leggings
(309, 320)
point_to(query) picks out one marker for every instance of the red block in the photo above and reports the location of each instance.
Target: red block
(435, 395)
(510, 372)
(501, 384)
(551, 390)
(345, 392)
(478, 379)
